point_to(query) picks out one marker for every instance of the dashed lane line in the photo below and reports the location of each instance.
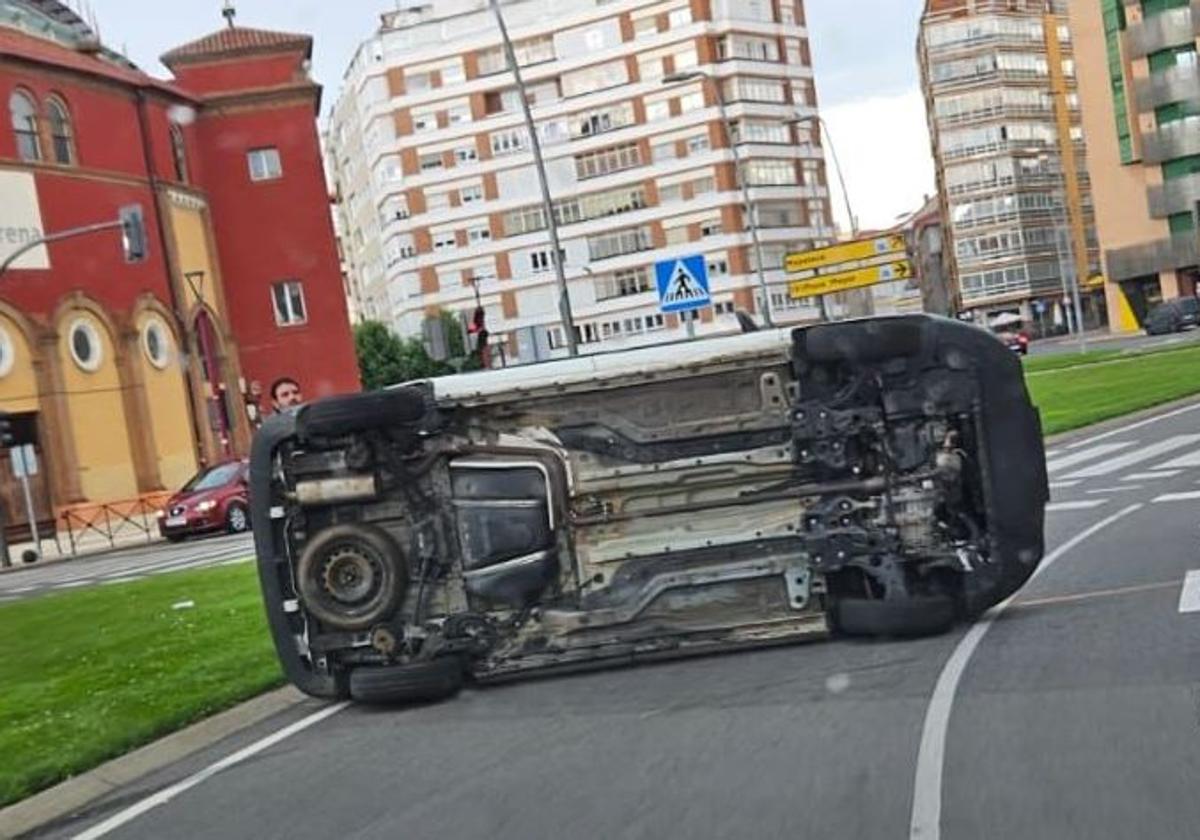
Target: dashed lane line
(1081, 504)
(1188, 496)
(1189, 596)
(1157, 475)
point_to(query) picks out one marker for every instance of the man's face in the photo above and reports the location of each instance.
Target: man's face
(287, 395)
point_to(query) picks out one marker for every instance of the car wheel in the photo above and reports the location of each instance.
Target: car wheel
(360, 412)
(237, 519)
(899, 618)
(416, 682)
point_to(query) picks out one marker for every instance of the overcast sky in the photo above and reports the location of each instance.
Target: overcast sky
(863, 56)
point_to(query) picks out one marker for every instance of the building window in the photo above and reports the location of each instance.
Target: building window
(86, 349)
(540, 260)
(604, 161)
(25, 125)
(265, 164)
(431, 161)
(470, 194)
(629, 281)
(61, 139)
(466, 154)
(155, 343)
(179, 154)
(8, 356)
(627, 241)
(679, 17)
(711, 227)
(479, 233)
(509, 141)
(698, 144)
(771, 172)
(445, 239)
(288, 298)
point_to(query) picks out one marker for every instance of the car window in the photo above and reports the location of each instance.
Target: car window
(212, 478)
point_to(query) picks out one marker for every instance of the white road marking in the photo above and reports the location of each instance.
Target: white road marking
(1152, 476)
(1082, 504)
(1139, 424)
(71, 584)
(236, 561)
(1128, 489)
(1188, 496)
(1087, 455)
(1189, 596)
(1145, 453)
(18, 590)
(1050, 453)
(1062, 485)
(167, 794)
(926, 822)
(125, 579)
(1183, 462)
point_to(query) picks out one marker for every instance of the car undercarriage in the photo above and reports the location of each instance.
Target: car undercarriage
(879, 477)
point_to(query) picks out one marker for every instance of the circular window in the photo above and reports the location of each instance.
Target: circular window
(85, 345)
(156, 343)
(8, 356)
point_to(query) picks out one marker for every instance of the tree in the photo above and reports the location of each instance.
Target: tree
(386, 359)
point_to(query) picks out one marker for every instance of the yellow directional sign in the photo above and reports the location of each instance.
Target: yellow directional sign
(862, 249)
(827, 284)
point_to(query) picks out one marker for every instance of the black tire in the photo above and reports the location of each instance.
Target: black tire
(237, 518)
(360, 412)
(418, 682)
(372, 556)
(900, 618)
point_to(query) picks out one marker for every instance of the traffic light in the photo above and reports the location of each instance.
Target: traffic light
(6, 431)
(478, 328)
(133, 233)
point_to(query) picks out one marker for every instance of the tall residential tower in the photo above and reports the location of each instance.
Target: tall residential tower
(1000, 88)
(438, 193)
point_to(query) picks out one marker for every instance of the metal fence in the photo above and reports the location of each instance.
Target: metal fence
(111, 523)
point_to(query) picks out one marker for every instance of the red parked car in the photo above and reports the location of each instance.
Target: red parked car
(214, 500)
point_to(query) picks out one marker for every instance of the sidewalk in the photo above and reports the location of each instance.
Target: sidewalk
(87, 545)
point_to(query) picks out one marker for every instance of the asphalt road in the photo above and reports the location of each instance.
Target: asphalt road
(1073, 712)
(122, 565)
(1105, 341)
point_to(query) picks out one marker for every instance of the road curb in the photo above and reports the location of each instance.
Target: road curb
(70, 796)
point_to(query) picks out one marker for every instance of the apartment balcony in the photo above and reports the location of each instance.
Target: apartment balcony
(1177, 84)
(1152, 257)
(1173, 140)
(1179, 195)
(1172, 28)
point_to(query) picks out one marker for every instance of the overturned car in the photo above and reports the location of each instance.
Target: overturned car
(879, 477)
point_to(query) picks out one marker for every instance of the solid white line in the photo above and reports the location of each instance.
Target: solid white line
(1082, 504)
(1152, 476)
(1189, 496)
(1139, 424)
(1062, 485)
(21, 589)
(73, 583)
(167, 794)
(1129, 489)
(1188, 461)
(926, 822)
(1145, 453)
(1189, 596)
(1087, 454)
(126, 579)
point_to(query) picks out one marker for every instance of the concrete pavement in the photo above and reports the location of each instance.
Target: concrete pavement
(1104, 340)
(1072, 714)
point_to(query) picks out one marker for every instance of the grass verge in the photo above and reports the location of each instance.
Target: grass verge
(1097, 389)
(89, 674)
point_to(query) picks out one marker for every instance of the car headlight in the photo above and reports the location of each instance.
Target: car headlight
(205, 507)
(160, 513)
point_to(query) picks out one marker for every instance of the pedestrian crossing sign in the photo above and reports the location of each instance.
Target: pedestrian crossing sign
(682, 284)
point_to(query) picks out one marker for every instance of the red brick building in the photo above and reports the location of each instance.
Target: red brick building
(126, 376)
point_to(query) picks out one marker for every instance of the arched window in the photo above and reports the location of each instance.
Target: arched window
(25, 125)
(179, 154)
(61, 138)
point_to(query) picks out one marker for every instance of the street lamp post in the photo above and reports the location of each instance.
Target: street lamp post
(751, 220)
(1066, 267)
(556, 256)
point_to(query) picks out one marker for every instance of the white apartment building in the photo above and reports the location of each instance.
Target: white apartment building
(439, 196)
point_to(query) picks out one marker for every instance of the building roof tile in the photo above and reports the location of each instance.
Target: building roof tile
(236, 40)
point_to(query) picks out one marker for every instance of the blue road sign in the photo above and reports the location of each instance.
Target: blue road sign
(682, 284)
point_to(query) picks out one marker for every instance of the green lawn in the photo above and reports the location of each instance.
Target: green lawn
(1103, 385)
(89, 674)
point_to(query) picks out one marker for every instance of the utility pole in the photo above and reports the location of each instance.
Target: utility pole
(557, 257)
(740, 177)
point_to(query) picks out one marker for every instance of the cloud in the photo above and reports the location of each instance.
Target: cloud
(883, 145)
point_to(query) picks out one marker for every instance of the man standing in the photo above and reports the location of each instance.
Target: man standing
(285, 394)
